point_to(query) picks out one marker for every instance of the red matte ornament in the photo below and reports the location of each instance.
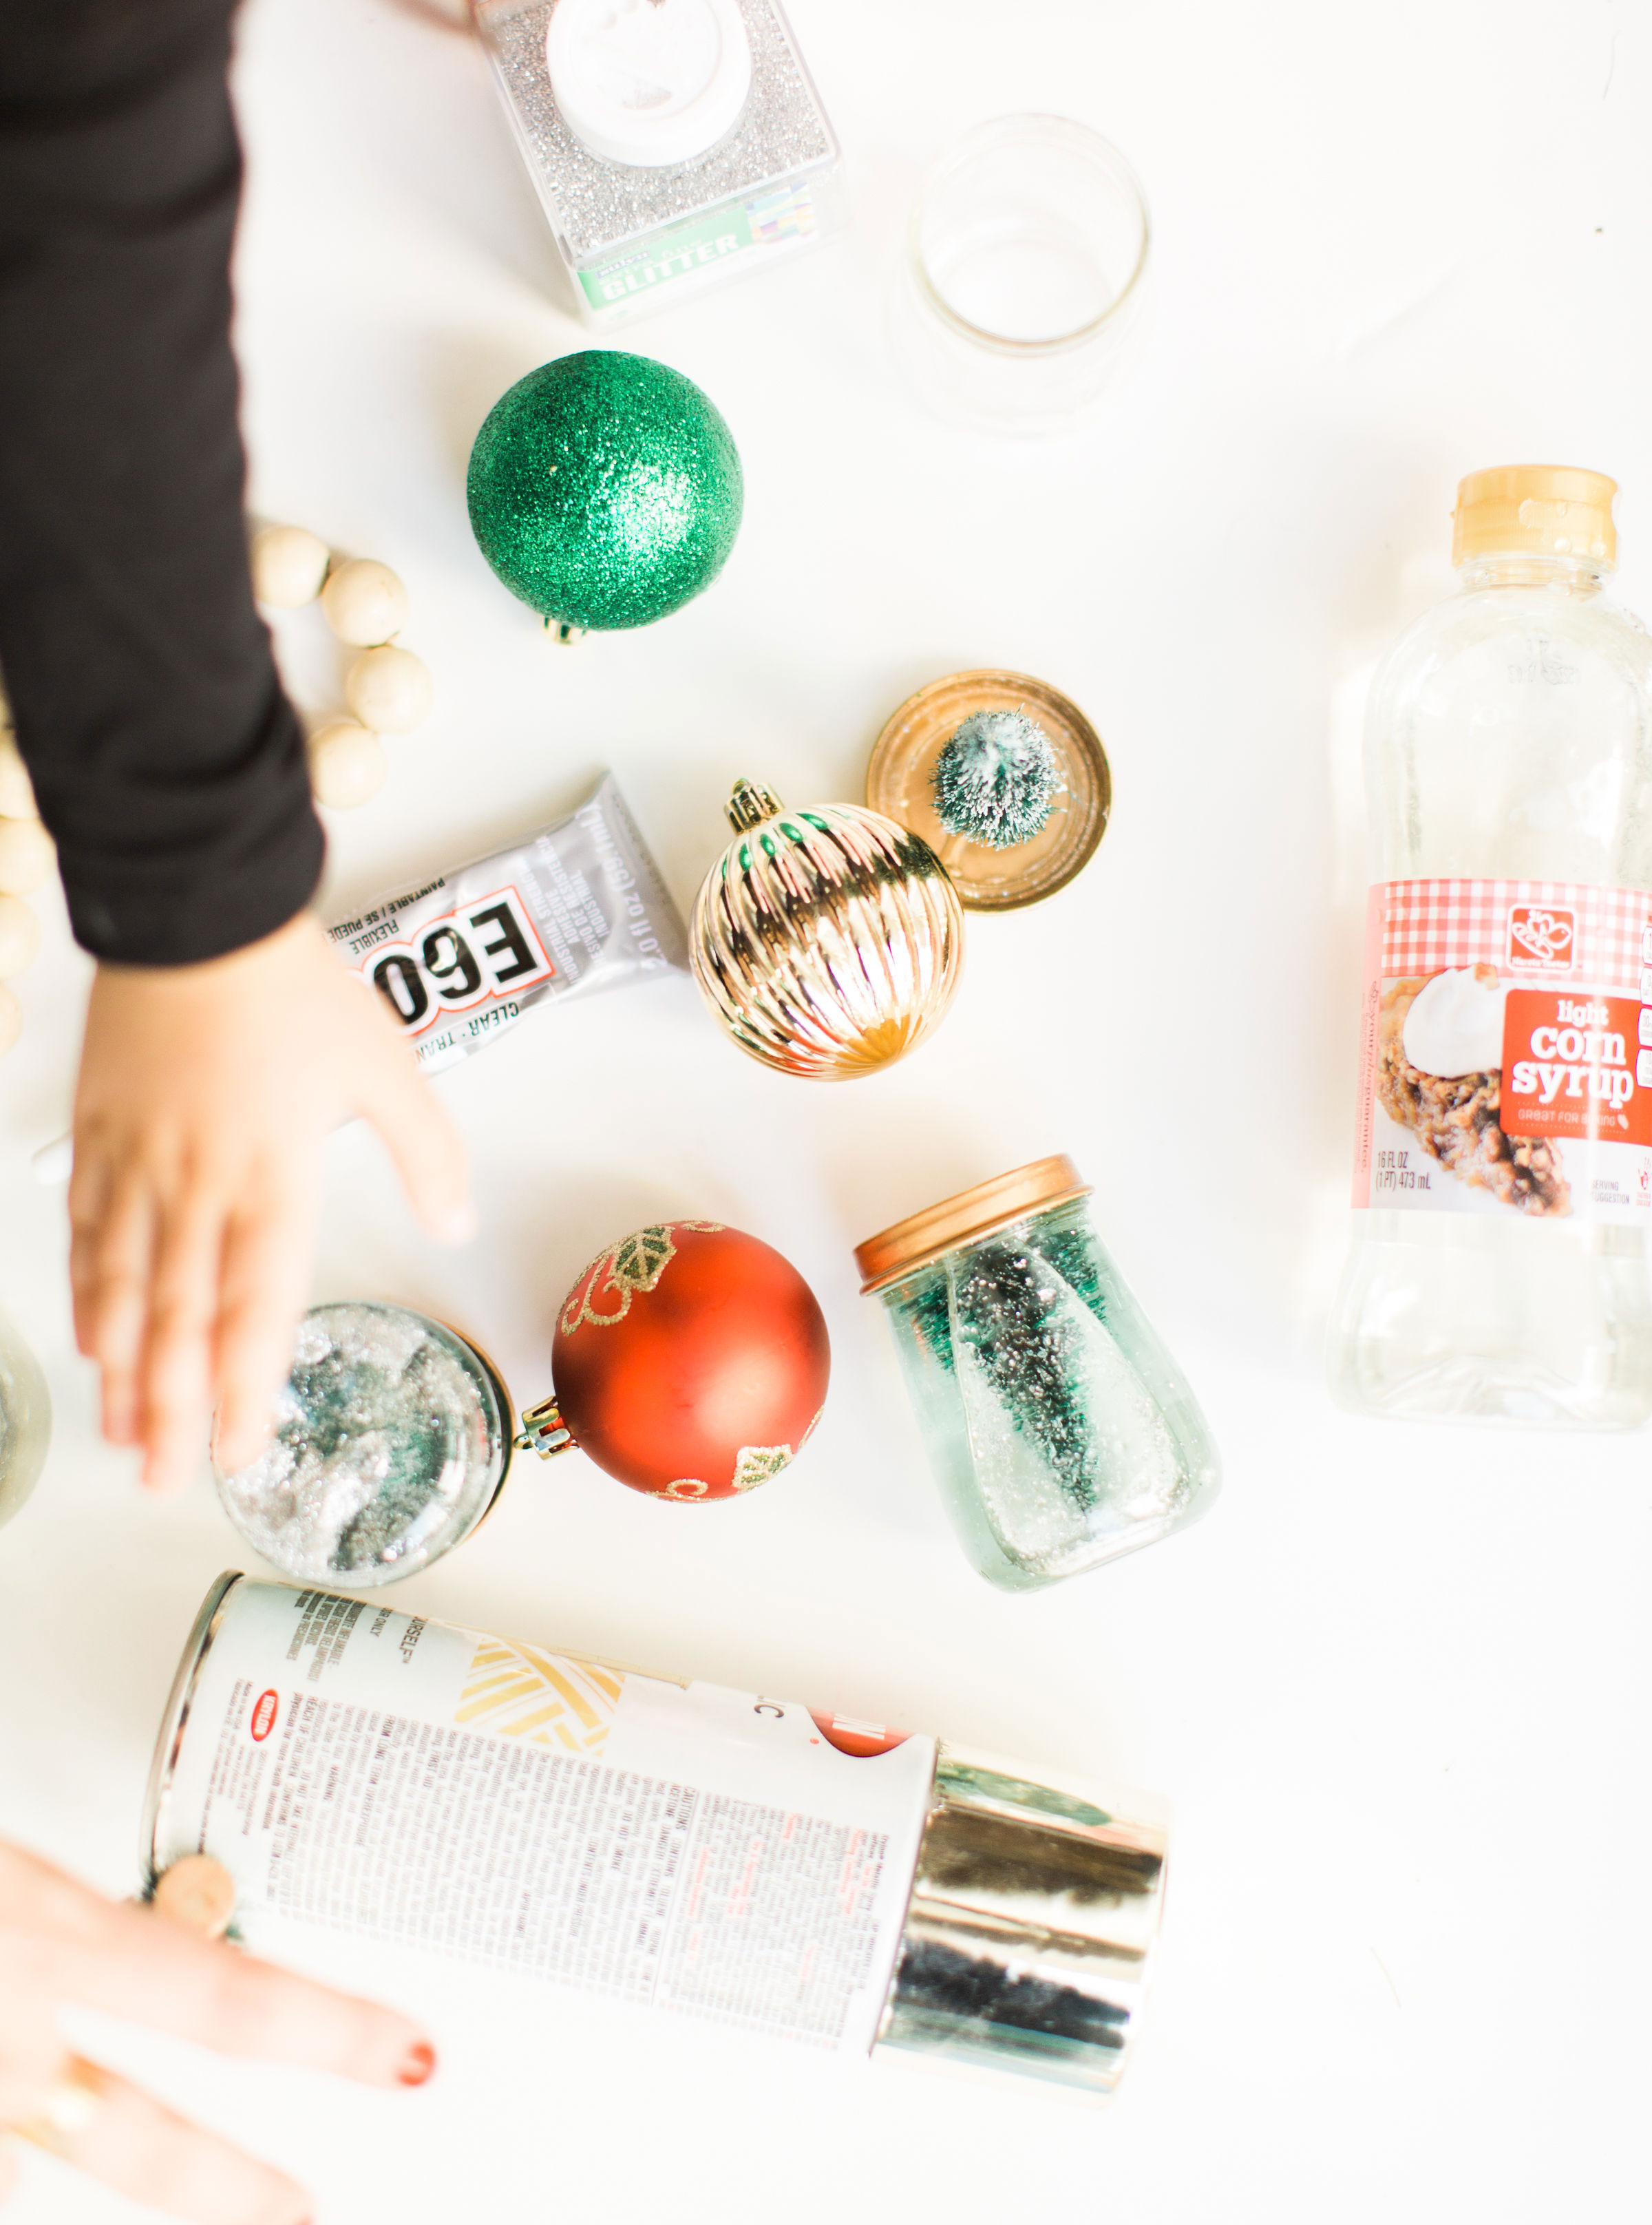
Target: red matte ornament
(690, 1361)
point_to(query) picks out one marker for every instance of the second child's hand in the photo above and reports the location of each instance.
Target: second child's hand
(205, 1094)
(62, 1945)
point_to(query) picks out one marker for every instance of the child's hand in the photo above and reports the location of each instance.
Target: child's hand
(205, 1094)
(61, 1944)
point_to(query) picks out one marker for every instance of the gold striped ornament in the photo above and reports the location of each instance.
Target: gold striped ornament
(828, 941)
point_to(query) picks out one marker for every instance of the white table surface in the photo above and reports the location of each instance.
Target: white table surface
(1395, 1685)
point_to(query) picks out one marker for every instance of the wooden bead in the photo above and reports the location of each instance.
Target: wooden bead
(11, 1019)
(197, 1890)
(289, 565)
(364, 603)
(16, 789)
(389, 690)
(19, 935)
(347, 765)
(28, 855)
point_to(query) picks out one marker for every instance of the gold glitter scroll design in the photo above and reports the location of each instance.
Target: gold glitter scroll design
(755, 1464)
(635, 1263)
(518, 1692)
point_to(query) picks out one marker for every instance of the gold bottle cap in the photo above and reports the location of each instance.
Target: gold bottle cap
(1545, 510)
(973, 1214)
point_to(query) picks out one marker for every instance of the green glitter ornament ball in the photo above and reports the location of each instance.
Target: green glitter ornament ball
(604, 490)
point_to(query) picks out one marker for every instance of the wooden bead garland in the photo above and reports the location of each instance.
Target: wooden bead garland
(16, 789)
(19, 936)
(28, 855)
(389, 690)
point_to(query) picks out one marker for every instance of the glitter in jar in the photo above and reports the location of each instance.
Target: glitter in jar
(391, 1438)
(1070, 1445)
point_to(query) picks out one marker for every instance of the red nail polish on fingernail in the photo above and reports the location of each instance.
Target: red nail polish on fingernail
(418, 2065)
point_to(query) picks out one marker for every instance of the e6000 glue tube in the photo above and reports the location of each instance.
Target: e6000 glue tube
(579, 906)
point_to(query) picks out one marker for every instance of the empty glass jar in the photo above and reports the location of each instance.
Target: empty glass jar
(1025, 274)
(1061, 1431)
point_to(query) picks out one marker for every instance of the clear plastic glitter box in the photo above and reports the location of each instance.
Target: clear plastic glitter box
(674, 142)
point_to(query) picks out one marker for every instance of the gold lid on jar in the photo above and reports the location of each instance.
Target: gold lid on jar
(965, 1218)
(1544, 510)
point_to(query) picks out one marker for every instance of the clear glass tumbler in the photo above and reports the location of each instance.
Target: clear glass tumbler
(1024, 274)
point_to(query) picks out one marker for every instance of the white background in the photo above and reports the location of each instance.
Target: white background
(1396, 1684)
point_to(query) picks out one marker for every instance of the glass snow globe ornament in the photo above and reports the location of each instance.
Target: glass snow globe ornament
(1061, 1431)
(25, 1420)
(392, 1439)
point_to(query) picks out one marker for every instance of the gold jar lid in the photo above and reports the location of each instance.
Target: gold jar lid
(1544, 510)
(963, 1219)
(901, 783)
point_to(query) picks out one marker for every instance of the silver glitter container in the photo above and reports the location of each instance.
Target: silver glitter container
(392, 1441)
(635, 238)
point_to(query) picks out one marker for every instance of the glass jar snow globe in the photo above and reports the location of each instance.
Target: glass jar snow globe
(1061, 1431)
(25, 1420)
(392, 1438)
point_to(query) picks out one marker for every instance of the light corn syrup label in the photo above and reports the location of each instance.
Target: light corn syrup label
(581, 905)
(686, 1849)
(1506, 1061)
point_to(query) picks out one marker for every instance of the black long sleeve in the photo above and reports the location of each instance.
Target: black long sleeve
(167, 762)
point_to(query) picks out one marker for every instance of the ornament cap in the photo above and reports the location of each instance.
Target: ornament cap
(751, 804)
(544, 1431)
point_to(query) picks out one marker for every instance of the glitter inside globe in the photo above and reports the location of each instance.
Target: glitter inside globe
(391, 1439)
(604, 490)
